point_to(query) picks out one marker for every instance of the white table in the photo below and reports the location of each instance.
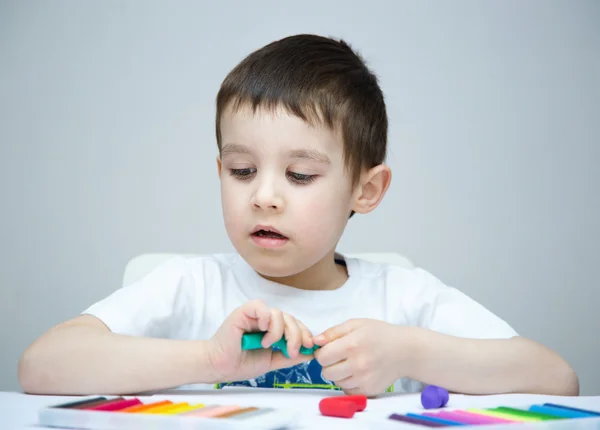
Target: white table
(19, 411)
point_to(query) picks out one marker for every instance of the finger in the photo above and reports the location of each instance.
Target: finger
(361, 391)
(354, 391)
(275, 330)
(349, 385)
(293, 335)
(333, 352)
(306, 335)
(335, 332)
(255, 314)
(337, 372)
(280, 361)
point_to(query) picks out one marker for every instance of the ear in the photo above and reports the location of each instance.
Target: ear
(372, 187)
(219, 165)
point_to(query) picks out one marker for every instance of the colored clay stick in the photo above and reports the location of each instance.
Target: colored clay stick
(475, 419)
(89, 405)
(282, 345)
(503, 415)
(253, 341)
(165, 414)
(433, 397)
(212, 411)
(436, 420)
(237, 412)
(332, 407)
(206, 409)
(524, 413)
(80, 403)
(559, 412)
(554, 405)
(307, 351)
(251, 413)
(101, 402)
(115, 406)
(144, 407)
(418, 421)
(181, 409)
(478, 418)
(165, 408)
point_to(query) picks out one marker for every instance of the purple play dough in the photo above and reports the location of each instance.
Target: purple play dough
(433, 397)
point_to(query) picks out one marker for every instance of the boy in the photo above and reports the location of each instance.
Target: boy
(301, 129)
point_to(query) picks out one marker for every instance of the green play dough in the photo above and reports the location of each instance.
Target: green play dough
(253, 341)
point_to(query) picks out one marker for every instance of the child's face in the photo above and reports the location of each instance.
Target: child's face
(281, 174)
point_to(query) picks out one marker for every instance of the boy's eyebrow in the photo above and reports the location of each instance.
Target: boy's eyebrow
(234, 148)
(310, 154)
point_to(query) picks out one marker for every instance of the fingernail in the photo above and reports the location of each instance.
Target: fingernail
(320, 338)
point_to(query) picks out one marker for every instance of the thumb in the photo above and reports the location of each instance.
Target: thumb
(335, 332)
(280, 361)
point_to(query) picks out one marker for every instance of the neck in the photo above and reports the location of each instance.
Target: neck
(324, 275)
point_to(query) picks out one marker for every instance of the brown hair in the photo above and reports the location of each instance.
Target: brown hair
(320, 80)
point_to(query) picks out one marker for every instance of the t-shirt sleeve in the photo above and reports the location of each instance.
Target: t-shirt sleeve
(432, 304)
(158, 305)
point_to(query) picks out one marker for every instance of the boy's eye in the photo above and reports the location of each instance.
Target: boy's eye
(300, 178)
(242, 173)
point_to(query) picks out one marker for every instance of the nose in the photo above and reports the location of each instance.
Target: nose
(266, 196)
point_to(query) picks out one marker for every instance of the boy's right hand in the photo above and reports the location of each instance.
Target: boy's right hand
(231, 363)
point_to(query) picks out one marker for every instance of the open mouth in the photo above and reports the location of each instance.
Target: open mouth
(268, 234)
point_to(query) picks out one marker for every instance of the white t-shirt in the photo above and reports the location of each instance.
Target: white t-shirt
(189, 298)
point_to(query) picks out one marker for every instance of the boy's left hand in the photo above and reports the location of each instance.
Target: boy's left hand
(365, 356)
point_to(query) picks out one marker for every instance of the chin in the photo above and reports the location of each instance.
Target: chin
(272, 265)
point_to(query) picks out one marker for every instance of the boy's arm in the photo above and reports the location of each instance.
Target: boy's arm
(482, 366)
(366, 356)
(120, 344)
(82, 356)
(460, 343)
(441, 337)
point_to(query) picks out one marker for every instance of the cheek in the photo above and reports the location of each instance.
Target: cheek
(231, 202)
(325, 212)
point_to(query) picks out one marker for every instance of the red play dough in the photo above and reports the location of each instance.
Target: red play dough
(342, 406)
(332, 407)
